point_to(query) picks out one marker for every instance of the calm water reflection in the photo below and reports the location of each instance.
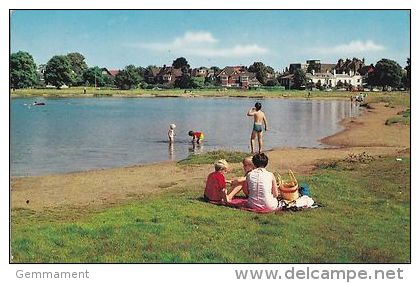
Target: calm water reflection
(87, 133)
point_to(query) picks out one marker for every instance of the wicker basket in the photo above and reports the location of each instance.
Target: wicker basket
(289, 189)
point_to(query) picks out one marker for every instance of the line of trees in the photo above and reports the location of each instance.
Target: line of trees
(72, 70)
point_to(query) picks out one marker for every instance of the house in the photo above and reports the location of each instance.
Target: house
(109, 73)
(168, 75)
(151, 74)
(199, 72)
(237, 76)
(355, 65)
(334, 79)
(318, 67)
(298, 66)
(287, 81)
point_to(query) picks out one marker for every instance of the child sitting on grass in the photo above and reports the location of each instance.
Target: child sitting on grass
(216, 184)
(238, 183)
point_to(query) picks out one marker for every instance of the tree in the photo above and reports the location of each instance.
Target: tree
(78, 65)
(261, 71)
(128, 78)
(215, 69)
(58, 71)
(272, 82)
(387, 73)
(407, 81)
(299, 78)
(22, 70)
(181, 63)
(184, 81)
(94, 77)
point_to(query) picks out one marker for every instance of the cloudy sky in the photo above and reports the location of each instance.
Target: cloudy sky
(117, 38)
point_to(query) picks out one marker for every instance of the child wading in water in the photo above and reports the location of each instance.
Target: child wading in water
(196, 136)
(259, 119)
(171, 133)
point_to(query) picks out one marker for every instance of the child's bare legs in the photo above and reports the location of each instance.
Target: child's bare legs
(235, 190)
(253, 136)
(260, 141)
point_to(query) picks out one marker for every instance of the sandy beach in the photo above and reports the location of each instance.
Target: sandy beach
(97, 188)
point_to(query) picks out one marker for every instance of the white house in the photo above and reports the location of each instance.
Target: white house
(332, 79)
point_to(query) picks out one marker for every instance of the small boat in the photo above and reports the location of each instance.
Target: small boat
(39, 103)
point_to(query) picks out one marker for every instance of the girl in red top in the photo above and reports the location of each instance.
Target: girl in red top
(196, 136)
(216, 184)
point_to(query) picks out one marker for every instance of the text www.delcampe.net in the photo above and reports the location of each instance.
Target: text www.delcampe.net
(314, 274)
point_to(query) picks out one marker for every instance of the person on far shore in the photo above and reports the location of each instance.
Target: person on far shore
(238, 183)
(259, 119)
(216, 183)
(171, 133)
(261, 185)
(196, 136)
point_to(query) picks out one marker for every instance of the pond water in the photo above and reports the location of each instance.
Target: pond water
(76, 134)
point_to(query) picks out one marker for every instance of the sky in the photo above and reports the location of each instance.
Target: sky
(117, 38)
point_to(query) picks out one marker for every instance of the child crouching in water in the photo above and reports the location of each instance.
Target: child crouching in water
(216, 184)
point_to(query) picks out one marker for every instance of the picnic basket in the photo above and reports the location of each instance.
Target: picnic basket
(289, 189)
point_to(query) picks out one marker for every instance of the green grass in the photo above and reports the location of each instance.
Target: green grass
(402, 118)
(211, 156)
(397, 97)
(365, 218)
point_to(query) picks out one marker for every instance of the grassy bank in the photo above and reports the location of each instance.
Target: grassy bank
(365, 218)
(263, 93)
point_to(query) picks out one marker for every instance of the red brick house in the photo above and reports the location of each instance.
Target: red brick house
(236, 76)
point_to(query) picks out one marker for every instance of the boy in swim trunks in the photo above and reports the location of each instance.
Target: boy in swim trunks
(259, 119)
(196, 136)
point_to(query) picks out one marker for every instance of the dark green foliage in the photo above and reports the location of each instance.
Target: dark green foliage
(22, 70)
(184, 81)
(261, 71)
(78, 65)
(128, 78)
(94, 75)
(181, 63)
(387, 73)
(299, 79)
(58, 71)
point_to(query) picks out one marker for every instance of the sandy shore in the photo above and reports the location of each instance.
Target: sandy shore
(96, 188)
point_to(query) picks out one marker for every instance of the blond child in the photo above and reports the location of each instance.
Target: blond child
(171, 133)
(238, 183)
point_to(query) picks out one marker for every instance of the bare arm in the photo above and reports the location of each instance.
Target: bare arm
(251, 112)
(265, 123)
(274, 189)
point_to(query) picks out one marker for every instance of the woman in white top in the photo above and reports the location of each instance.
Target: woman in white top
(261, 185)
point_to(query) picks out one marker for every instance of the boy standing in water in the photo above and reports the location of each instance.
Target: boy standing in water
(259, 119)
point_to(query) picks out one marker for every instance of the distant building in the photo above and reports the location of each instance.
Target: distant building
(151, 74)
(168, 75)
(237, 76)
(298, 66)
(109, 73)
(334, 79)
(200, 72)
